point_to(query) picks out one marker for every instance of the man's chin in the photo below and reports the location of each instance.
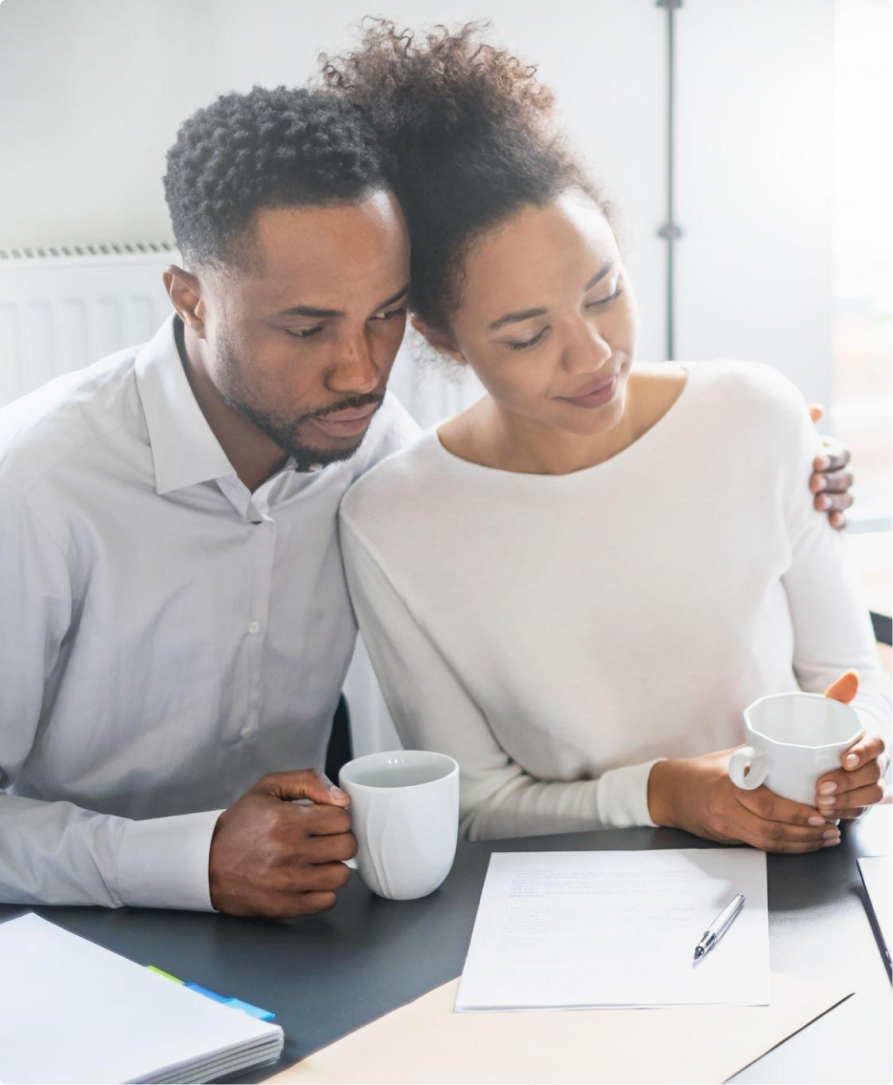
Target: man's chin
(325, 449)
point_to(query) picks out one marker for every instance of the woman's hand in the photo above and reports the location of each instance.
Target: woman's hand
(696, 794)
(847, 793)
(830, 480)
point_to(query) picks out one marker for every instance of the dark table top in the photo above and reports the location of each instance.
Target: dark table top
(326, 976)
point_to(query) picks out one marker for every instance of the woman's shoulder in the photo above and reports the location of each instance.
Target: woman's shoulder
(756, 382)
(403, 483)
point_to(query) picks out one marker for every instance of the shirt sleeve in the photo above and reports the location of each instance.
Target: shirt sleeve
(56, 852)
(433, 710)
(831, 622)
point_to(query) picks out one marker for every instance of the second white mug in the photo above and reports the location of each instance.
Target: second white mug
(404, 812)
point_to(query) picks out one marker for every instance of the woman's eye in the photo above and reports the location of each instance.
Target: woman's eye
(603, 301)
(389, 314)
(304, 333)
(523, 344)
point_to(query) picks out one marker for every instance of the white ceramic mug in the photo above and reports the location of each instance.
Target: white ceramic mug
(404, 812)
(793, 739)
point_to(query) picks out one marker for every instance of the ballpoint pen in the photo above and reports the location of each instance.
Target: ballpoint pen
(719, 926)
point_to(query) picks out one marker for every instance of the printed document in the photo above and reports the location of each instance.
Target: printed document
(617, 928)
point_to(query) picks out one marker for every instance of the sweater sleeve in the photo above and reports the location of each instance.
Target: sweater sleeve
(832, 626)
(432, 709)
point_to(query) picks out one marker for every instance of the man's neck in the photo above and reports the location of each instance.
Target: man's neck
(253, 455)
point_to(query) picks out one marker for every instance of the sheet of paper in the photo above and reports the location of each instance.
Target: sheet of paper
(877, 874)
(617, 928)
(71, 1011)
(425, 1043)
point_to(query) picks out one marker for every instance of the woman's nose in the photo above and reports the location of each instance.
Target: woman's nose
(587, 352)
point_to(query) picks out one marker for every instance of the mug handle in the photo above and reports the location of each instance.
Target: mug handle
(351, 864)
(759, 767)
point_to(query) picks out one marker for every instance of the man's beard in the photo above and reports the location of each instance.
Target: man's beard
(283, 432)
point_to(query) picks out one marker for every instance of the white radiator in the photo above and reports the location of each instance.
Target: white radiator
(62, 308)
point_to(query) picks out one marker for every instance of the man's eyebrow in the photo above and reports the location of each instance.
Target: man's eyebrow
(314, 311)
(309, 310)
(394, 297)
(526, 314)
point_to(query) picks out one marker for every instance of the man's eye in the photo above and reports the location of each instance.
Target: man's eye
(603, 301)
(524, 344)
(304, 333)
(389, 314)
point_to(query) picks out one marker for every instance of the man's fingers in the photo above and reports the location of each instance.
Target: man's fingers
(330, 849)
(844, 688)
(834, 455)
(833, 502)
(324, 820)
(312, 903)
(324, 877)
(768, 806)
(303, 784)
(861, 752)
(834, 482)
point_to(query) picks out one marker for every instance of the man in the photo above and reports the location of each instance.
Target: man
(174, 620)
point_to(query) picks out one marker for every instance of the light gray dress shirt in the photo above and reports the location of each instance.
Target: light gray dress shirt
(167, 637)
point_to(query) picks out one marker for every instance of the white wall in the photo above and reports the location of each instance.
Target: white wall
(92, 92)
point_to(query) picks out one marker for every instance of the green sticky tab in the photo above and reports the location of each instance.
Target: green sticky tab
(160, 972)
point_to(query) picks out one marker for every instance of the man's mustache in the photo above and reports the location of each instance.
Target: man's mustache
(351, 404)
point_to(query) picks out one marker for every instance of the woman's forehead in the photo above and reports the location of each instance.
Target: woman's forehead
(559, 246)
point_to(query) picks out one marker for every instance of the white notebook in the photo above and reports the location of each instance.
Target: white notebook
(571, 929)
(71, 1011)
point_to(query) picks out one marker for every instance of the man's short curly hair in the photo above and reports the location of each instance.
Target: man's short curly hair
(267, 148)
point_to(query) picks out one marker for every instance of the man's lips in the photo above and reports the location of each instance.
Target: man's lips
(346, 423)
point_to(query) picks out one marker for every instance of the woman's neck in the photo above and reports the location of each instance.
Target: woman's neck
(491, 436)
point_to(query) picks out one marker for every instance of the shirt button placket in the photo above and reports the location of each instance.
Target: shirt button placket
(262, 557)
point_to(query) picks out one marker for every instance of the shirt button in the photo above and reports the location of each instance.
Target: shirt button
(253, 627)
(246, 732)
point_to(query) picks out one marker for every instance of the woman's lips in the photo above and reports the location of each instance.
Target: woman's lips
(346, 423)
(600, 394)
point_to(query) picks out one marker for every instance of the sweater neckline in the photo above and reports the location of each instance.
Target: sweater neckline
(624, 456)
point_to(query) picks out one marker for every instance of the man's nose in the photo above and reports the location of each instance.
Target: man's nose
(354, 369)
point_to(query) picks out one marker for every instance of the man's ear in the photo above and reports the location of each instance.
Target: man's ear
(442, 342)
(185, 291)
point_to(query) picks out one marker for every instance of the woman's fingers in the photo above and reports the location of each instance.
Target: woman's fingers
(866, 749)
(827, 787)
(852, 800)
(776, 836)
(768, 806)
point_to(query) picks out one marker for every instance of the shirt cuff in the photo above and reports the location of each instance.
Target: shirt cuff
(163, 862)
(622, 796)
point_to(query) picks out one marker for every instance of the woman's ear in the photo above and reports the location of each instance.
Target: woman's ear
(442, 342)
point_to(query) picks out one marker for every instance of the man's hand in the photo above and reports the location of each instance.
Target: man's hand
(847, 793)
(696, 794)
(271, 857)
(831, 481)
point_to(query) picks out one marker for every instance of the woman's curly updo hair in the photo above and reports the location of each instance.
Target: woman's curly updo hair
(268, 148)
(466, 127)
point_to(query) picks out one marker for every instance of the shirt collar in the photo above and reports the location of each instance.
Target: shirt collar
(184, 449)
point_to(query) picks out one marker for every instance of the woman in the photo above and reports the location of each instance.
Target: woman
(541, 598)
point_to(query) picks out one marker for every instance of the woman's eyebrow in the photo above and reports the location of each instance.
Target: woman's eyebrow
(526, 314)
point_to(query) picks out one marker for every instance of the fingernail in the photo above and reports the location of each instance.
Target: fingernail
(831, 834)
(823, 503)
(825, 801)
(817, 821)
(337, 793)
(822, 463)
(828, 788)
(831, 843)
(820, 484)
(851, 760)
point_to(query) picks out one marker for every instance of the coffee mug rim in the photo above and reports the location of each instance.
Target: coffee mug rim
(454, 769)
(800, 745)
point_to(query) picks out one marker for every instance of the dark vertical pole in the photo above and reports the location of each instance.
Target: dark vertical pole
(670, 231)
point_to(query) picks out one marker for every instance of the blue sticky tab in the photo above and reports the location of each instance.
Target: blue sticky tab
(204, 991)
(255, 1011)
